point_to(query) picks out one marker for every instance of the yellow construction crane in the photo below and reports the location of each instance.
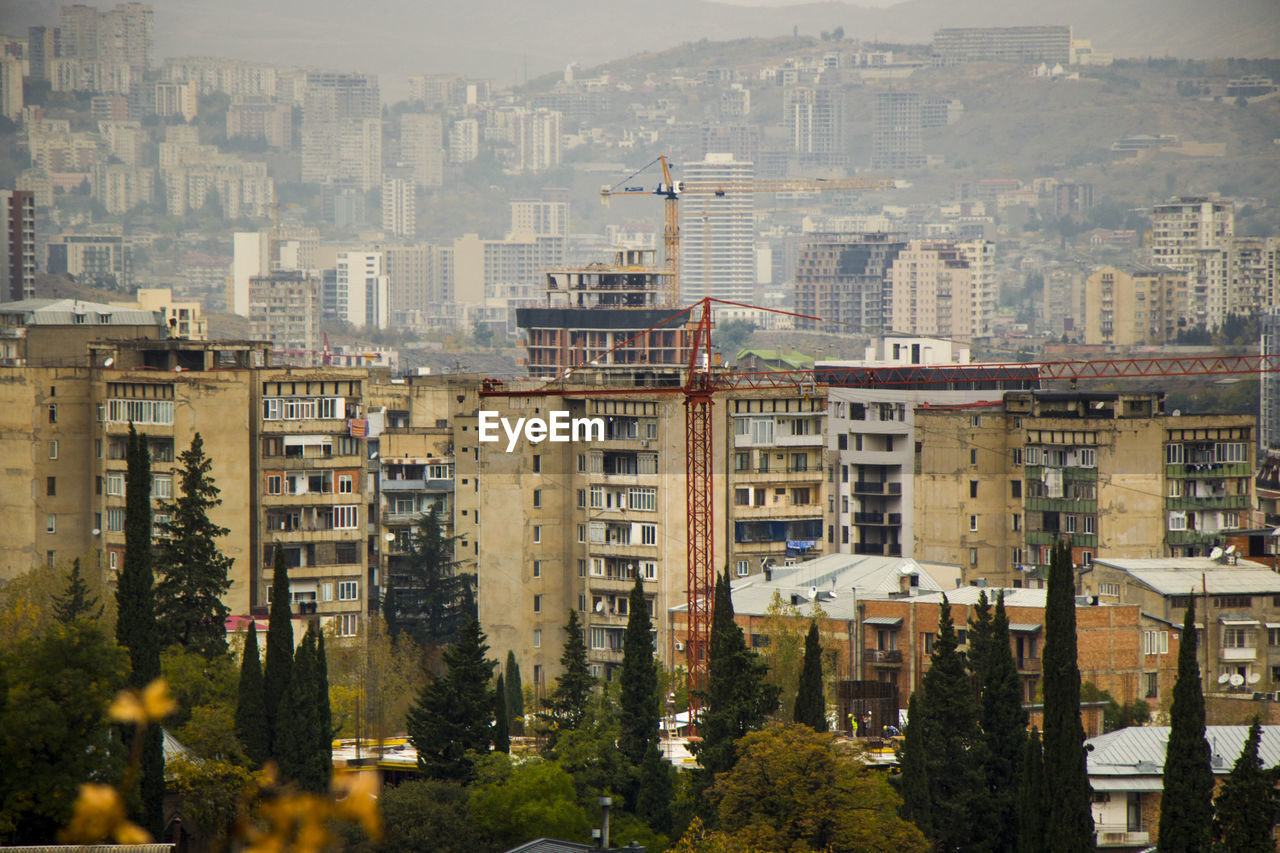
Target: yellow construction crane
(671, 190)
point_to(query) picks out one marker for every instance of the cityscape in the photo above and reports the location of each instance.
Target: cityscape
(871, 432)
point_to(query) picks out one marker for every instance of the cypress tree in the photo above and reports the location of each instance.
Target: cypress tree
(950, 733)
(1033, 797)
(324, 713)
(279, 663)
(656, 791)
(811, 706)
(136, 627)
(1245, 809)
(914, 785)
(1004, 730)
(1186, 807)
(78, 601)
(1070, 822)
(568, 702)
(295, 744)
(501, 724)
(452, 719)
(980, 628)
(251, 711)
(515, 695)
(638, 710)
(189, 603)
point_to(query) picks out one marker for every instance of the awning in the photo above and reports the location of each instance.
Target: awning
(1273, 624)
(1126, 783)
(1238, 620)
(884, 621)
(1025, 627)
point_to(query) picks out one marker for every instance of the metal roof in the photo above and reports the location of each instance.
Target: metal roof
(1182, 575)
(1139, 751)
(78, 312)
(887, 621)
(1025, 627)
(968, 595)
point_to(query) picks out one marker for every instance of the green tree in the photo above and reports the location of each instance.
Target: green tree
(279, 663)
(980, 627)
(425, 593)
(914, 784)
(54, 733)
(211, 793)
(189, 606)
(295, 743)
(737, 699)
(451, 722)
(251, 711)
(638, 709)
(501, 723)
(78, 601)
(792, 789)
(568, 701)
(1004, 730)
(811, 707)
(1069, 827)
(136, 627)
(515, 695)
(518, 803)
(324, 730)
(428, 815)
(950, 734)
(1245, 808)
(656, 790)
(1033, 797)
(1186, 807)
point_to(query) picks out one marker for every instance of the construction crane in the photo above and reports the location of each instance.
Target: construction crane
(670, 191)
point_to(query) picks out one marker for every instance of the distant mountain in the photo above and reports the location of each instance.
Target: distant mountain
(505, 39)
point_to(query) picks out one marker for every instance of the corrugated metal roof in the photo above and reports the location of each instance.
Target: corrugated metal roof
(968, 595)
(551, 845)
(1025, 627)
(1140, 750)
(78, 312)
(888, 621)
(1222, 582)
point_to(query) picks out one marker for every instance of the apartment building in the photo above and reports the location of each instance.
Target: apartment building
(258, 117)
(421, 281)
(285, 308)
(399, 206)
(359, 292)
(17, 245)
(1138, 305)
(1033, 44)
(942, 289)
(843, 278)
(897, 137)
(1193, 234)
(997, 484)
(815, 117)
(717, 234)
(422, 147)
(103, 261)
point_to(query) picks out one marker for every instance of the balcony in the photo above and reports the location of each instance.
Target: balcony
(892, 519)
(1051, 537)
(1207, 502)
(1036, 472)
(1028, 664)
(881, 549)
(891, 657)
(1062, 505)
(1119, 835)
(1192, 537)
(1208, 471)
(1237, 653)
(867, 487)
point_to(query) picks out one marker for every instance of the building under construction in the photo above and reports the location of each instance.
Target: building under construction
(605, 315)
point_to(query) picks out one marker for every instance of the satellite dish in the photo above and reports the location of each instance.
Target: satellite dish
(813, 593)
(599, 606)
(1254, 677)
(1177, 412)
(1224, 678)
(108, 362)
(96, 531)
(1231, 549)
(1215, 553)
(1237, 679)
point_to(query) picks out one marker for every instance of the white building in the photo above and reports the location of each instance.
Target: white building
(1193, 234)
(422, 149)
(717, 234)
(464, 140)
(360, 293)
(399, 207)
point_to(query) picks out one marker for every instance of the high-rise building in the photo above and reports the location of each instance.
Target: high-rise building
(1134, 306)
(1269, 403)
(464, 140)
(421, 147)
(942, 289)
(717, 234)
(102, 261)
(1193, 234)
(843, 278)
(11, 101)
(897, 139)
(537, 141)
(254, 117)
(17, 245)
(1035, 44)
(815, 116)
(420, 280)
(285, 309)
(399, 206)
(359, 293)
(342, 129)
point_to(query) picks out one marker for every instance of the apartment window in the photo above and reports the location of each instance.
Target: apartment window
(537, 464)
(1112, 589)
(115, 519)
(1177, 521)
(1175, 488)
(345, 517)
(1155, 642)
(53, 449)
(1017, 456)
(537, 498)
(582, 568)
(115, 484)
(346, 484)
(598, 638)
(928, 641)
(742, 497)
(1152, 680)
(973, 457)
(537, 568)
(582, 498)
(975, 420)
(537, 533)
(537, 638)
(326, 591)
(742, 461)
(1233, 601)
(53, 413)
(1273, 636)
(1087, 523)
(1017, 556)
(97, 448)
(842, 441)
(644, 499)
(973, 556)
(973, 524)
(348, 590)
(1174, 454)
(597, 497)
(1033, 456)
(648, 534)
(1017, 522)
(275, 484)
(973, 488)
(51, 486)
(1231, 452)
(537, 604)
(597, 567)
(51, 524)
(742, 567)
(1235, 638)
(582, 463)
(348, 624)
(1088, 457)
(1069, 524)
(162, 486)
(647, 463)
(582, 533)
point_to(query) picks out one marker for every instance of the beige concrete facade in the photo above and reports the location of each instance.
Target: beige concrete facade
(1137, 306)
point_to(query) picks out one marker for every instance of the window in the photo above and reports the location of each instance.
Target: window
(648, 534)
(1015, 489)
(1088, 457)
(1273, 636)
(537, 604)
(348, 590)
(973, 524)
(97, 448)
(647, 463)
(1155, 642)
(598, 638)
(582, 498)
(1233, 601)
(115, 484)
(1069, 523)
(582, 533)
(973, 488)
(842, 441)
(51, 486)
(162, 486)
(115, 519)
(928, 640)
(582, 463)
(51, 524)
(348, 624)
(597, 497)
(346, 484)
(1087, 523)
(1177, 521)
(53, 413)
(741, 461)
(1017, 521)
(537, 638)
(973, 556)
(275, 483)
(1033, 456)
(537, 533)
(742, 497)
(975, 420)
(1174, 454)
(1231, 452)
(345, 517)
(1175, 488)
(537, 568)
(1017, 456)
(140, 411)
(537, 498)
(1152, 680)
(643, 499)
(742, 567)
(326, 591)
(53, 449)
(648, 570)
(1109, 589)
(973, 457)
(537, 464)
(1236, 638)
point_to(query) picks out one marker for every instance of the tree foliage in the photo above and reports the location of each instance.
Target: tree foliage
(914, 779)
(518, 803)
(568, 701)
(793, 789)
(425, 593)
(428, 815)
(211, 793)
(374, 683)
(1186, 806)
(1033, 797)
(251, 711)
(295, 747)
(1003, 721)
(515, 695)
(78, 600)
(811, 707)
(279, 662)
(451, 721)
(501, 723)
(1245, 808)
(638, 710)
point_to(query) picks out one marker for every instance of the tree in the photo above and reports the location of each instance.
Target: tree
(656, 789)
(251, 711)
(501, 723)
(638, 709)
(1245, 809)
(515, 695)
(792, 789)
(737, 698)
(980, 628)
(78, 601)
(136, 627)
(518, 803)
(428, 815)
(295, 742)
(1033, 798)
(324, 731)
(425, 593)
(279, 663)
(914, 784)
(375, 682)
(189, 606)
(211, 793)
(1003, 721)
(1069, 827)
(568, 701)
(451, 722)
(54, 732)
(950, 733)
(811, 707)
(1186, 807)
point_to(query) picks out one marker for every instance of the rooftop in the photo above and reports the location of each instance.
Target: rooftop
(1138, 753)
(77, 312)
(1180, 575)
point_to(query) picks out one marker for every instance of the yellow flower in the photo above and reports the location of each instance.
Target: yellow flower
(99, 814)
(357, 798)
(151, 705)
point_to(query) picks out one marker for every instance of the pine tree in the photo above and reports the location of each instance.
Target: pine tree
(1070, 818)
(425, 593)
(1033, 797)
(279, 663)
(737, 699)
(656, 789)
(78, 602)
(980, 639)
(638, 710)
(451, 721)
(950, 733)
(1186, 807)
(501, 724)
(914, 785)
(189, 604)
(515, 695)
(324, 714)
(568, 702)
(251, 711)
(811, 706)
(1004, 725)
(295, 743)
(136, 628)
(1245, 809)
